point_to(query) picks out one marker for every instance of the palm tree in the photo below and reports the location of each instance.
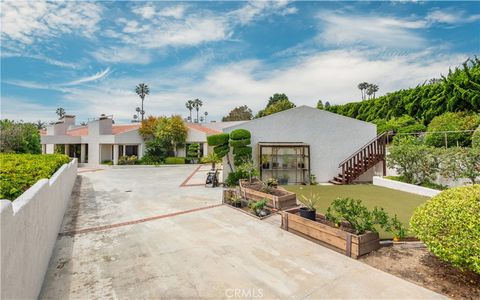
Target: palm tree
(206, 114)
(363, 86)
(60, 112)
(83, 123)
(189, 105)
(142, 90)
(40, 124)
(197, 103)
(371, 90)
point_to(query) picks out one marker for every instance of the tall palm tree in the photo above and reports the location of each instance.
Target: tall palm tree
(142, 90)
(189, 105)
(363, 86)
(197, 103)
(60, 112)
(206, 114)
(40, 124)
(371, 90)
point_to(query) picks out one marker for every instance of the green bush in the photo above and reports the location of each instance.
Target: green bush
(476, 138)
(175, 160)
(449, 224)
(218, 139)
(18, 172)
(403, 124)
(107, 162)
(452, 122)
(128, 160)
(240, 134)
(193, 152)
(233, 177)
(239, 143)
(19, 137)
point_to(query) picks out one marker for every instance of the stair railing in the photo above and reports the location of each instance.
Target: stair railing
(363, 159)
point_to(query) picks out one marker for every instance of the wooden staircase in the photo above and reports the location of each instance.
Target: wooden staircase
(362, 160)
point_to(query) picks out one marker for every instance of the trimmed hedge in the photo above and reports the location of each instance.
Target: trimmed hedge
(193, 151)
(242, 151)
(19, 172)
(240, 134)
(175, 160)
(240, 143)
(218, 139)
(449, 224)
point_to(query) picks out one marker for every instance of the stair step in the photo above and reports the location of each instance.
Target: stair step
(335, 182)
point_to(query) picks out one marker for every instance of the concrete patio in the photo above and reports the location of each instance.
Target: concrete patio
(135, 233)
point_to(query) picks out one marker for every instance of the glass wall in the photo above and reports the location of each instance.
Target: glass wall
(288, 163)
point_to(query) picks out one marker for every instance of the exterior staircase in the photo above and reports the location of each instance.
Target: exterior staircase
(359, 162)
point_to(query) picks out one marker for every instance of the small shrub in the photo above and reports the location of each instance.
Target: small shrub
(193, 152)
(257, 206)
(128, 160)
(234, 177)
(19, 172)
(107, 162)
(175, 160)
(449, 224)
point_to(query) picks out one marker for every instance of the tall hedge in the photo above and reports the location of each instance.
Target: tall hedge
(449, 224)
(450, 121)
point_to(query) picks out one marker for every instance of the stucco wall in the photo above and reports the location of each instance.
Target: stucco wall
(331, 137)
(29, 228)
(405, 187)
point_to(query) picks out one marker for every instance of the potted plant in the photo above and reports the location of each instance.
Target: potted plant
(284, 179)
(265, 162)
(308, 210)
(258, 207)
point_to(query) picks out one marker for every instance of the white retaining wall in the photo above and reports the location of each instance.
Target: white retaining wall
(29, 228)
(405, 187)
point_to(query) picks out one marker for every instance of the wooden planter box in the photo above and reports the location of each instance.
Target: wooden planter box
(280, 202)
(342, 241)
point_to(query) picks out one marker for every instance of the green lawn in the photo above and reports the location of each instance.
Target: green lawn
(393, 201)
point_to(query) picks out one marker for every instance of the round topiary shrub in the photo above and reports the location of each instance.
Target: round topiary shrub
(449, 224)
(240, 134)
(218, 139)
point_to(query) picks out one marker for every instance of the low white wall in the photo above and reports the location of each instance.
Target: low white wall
(29, 228)
(405, 187)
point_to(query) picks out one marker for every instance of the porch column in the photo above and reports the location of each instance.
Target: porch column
(44, 148)
(140, 151)
(115, 154)
(124, 150)
(205, 149)
(82, 153)
(67, 149)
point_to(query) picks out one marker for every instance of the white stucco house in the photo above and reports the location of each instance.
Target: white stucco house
(293, 144)
(101, 140)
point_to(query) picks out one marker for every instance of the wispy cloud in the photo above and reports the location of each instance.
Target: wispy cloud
(23, 22)
(48, 60)
(451, 17)
(87, 79)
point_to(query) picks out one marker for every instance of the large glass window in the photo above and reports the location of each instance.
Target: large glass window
(289, 163)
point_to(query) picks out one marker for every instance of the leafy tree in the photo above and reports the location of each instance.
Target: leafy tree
(320, 105)
(205, 114)
(148, 127)
(60, 112)
(403, 124)
(277, 98)
(19, 137)
(142, 90)
(240, 113)
(278, 107)
(460, 162)
(327, 105)
(172, 130)
(197, 103)
(450, 121)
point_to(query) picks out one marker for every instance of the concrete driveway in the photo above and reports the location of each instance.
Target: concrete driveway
(135, 233)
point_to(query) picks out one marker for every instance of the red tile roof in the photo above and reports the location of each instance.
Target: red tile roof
(202, 128)
(121, 128)
(80, 131)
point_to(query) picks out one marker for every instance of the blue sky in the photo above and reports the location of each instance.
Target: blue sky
(88, 57)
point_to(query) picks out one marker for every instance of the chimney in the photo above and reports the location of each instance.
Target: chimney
(100, 126)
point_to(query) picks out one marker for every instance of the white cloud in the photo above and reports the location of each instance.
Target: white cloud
(48, 60)
(370, 30)
(451, 17)
(331, 76)
(258, 9)
(23, 22)
(87, 79)
(176, 12)
(21, 109)
(146, 11)
(124, 55)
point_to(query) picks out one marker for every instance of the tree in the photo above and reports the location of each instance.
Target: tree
(206, 114)
(276, 103)
(19, 137)
(172, 129)
(363, 87)
(371, 90)
(197, 103)
(239, 113)
(189, 105)
(84, 124)
(327, 105)
(320, 104)
(142, 90)
(60, 112)
(40, 124)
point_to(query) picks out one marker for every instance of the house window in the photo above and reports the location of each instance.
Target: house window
(131, 150)
(289, 163)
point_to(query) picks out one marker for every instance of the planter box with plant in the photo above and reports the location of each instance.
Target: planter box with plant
(348, 226)
(276, 198)
(257, 209)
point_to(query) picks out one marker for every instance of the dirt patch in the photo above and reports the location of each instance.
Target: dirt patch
(417, 265)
